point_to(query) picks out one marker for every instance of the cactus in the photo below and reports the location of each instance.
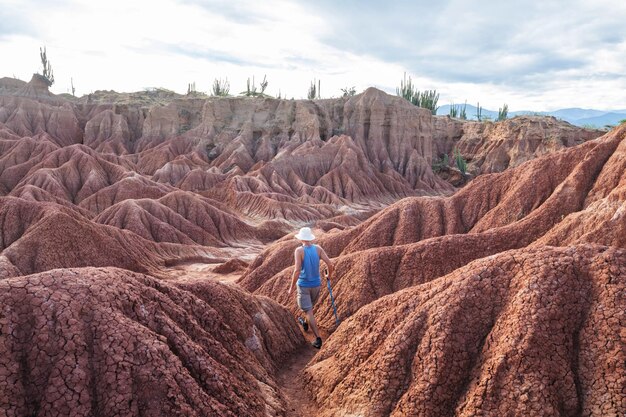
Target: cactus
(407, 91)
(221, 88)
(463, 112)
(428, 100)
(479, 112)
(461, 163)
(454, 110)
(47, 68)
(503, 112)
(314, 90)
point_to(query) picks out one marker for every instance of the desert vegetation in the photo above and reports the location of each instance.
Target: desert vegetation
(47, 72)
(426, 99)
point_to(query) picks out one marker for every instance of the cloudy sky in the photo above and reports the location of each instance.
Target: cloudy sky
(533, 55)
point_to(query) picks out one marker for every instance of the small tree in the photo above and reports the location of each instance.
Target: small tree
(220, 88)
(503, 112)
(47, 68)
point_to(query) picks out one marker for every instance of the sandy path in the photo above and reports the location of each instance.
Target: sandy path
(292, 385)
(289, 379)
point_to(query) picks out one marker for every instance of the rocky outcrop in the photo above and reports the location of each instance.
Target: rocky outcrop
(550, 200)
(495, 146)
(181, 217)
(526, 332)
(10, 85)
(39, 237)
(111, 342)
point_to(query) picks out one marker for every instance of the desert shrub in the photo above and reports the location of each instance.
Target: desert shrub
(348, 91)
(440, 163)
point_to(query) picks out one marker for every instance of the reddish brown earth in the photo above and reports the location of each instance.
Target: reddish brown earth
(495, 299)
(526, 332)
(495, 146)
(105, 341)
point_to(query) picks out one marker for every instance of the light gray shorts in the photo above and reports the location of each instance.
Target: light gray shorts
(307, 297)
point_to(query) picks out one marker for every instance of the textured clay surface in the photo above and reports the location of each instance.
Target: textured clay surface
(526, 332)
(105, 341)
(573, 196)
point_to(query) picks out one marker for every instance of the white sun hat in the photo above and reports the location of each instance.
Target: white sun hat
(305, 234)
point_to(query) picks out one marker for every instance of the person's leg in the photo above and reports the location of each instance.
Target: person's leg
(311, 319)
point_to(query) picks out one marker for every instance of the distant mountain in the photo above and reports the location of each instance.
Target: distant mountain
(575, 116)
(603, 120)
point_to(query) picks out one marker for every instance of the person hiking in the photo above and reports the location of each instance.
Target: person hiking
(306, 275)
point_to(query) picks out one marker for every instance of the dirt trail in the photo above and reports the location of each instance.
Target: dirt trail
(291, 384)
(289, 380)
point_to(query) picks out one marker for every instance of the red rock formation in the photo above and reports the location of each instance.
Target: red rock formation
(33, 111)
(233, 265)
(74, 173)
(419, 239)
(494, 147)
(131, 187)
(10, 85)
(18, 156)
(111, 342)
(526, 332)
(38, 237)
(179, 217)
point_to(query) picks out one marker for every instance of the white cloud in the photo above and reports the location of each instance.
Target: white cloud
(538, 55)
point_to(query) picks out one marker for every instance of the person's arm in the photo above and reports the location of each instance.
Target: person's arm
(327, 261)
(296, 270)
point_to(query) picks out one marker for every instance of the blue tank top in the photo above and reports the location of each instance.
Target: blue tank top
(310, 272)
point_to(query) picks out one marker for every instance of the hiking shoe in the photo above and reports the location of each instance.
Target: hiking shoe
(304, 324)
(318, 343)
